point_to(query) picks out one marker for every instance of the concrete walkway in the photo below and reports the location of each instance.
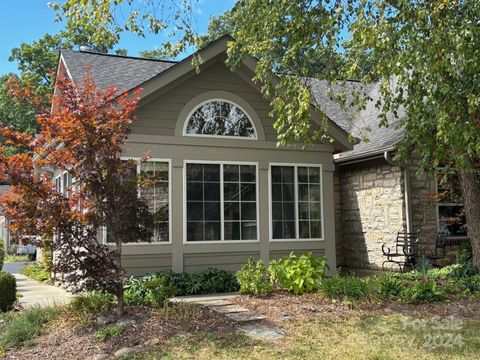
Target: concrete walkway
(35, 293)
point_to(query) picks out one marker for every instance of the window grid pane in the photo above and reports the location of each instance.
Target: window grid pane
(230, 214)
(283, 202)
(309, 204)
(296, 202)
(155, 189)
(203, 202)
(240, 206)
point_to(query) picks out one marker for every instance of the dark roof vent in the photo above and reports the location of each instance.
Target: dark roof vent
(85, 48)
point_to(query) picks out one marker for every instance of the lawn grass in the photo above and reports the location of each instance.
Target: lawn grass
(21, 328)
(356, 337)
(16, 258)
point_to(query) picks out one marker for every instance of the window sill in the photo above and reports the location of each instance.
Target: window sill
(221, 242)
(296, 240)
(144, 243)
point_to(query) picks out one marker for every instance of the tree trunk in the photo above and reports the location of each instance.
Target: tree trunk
(471, 191)
(119, 275)
(120, 300)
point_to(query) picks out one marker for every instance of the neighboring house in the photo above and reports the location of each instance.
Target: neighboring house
(4, 222)
(225, 192)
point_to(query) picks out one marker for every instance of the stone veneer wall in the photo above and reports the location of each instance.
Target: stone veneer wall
(425, 216)
(370, 212)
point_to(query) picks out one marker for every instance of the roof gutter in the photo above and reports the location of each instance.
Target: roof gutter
(407, 192)
(365, 156)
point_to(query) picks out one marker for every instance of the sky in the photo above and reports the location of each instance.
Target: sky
(28, 20)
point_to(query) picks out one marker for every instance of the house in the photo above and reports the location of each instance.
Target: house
(4, 223)
(225, 192)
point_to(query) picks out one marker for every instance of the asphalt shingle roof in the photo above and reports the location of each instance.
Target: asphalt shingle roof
(123, 72)
(129, 72)
(361, 123)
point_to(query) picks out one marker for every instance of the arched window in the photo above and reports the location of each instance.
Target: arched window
(220, 117)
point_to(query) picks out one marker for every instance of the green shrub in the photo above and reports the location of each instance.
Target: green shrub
(2, 253)
(213, 281)
(208, 281)
(471, 284)
(159, 292)
(148, 290)
(90, 304)
(422, 291)
(8, 291)
(110, 331)
(298, 274)
(408, 276)
(464, 253)
(254, 278)
(423, 265)
(15, 258)
(22, 328)
(346, 287)
(135, 292)
(445, 272)
(391, 286)
(36, 271)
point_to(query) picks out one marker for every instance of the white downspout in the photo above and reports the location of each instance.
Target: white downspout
(407, 191)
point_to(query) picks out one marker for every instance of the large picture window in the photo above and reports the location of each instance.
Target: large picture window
(220, 117)
(296, 202)
(154, 188)
(221, 202)
(451, 212)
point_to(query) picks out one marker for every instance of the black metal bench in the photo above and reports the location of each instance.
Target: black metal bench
(404, 253)
(439, 252)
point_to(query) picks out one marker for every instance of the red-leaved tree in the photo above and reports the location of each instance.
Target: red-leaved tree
(82, 134)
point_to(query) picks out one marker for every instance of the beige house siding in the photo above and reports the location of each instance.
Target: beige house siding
(158, 130)
(159, 116)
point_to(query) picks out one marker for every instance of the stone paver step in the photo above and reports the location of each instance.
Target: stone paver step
(245, 316)
(262, 331)
(196, 299)
(228, 309)
(215, 302)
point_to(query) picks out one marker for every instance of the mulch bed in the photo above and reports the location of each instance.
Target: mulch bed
(65, 342)
(279, 306)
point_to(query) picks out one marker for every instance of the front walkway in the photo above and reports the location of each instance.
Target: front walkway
(249, 322)
(35, 293)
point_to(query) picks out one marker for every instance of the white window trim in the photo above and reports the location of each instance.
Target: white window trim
(62, 190)
(184, 131)
(437, 209)
(222, 225)
(270, 215)
(151, 243)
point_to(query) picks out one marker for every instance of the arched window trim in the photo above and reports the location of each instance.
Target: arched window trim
(199, 105)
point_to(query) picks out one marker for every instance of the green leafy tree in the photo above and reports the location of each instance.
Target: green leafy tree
(17, 114)
(424, 53)
(158, 53)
